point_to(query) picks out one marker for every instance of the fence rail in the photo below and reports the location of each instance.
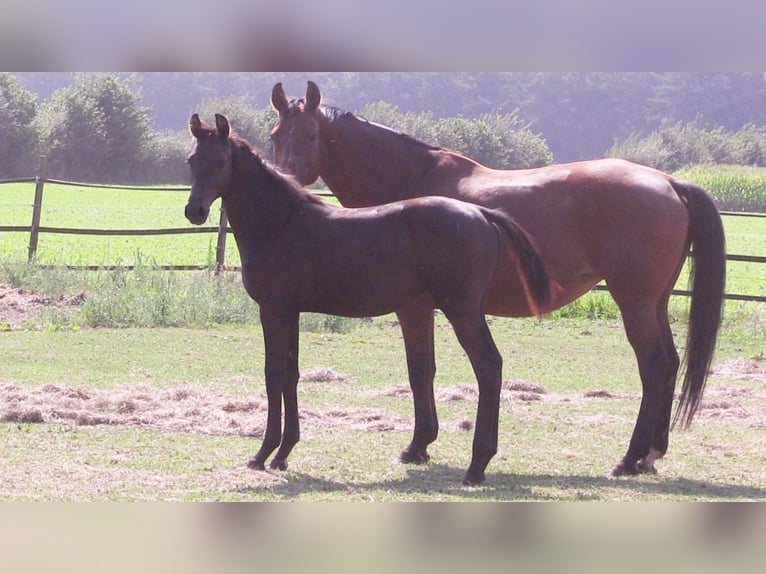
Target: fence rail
(222, 230)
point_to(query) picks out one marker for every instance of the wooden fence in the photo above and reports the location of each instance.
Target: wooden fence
(222, 230)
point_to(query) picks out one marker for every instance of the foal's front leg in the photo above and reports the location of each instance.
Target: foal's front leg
(280, 332)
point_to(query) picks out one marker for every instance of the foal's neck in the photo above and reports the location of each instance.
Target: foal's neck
(258, 204)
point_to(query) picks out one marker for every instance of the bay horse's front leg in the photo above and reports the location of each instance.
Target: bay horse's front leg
(417, 324)
(280, 334)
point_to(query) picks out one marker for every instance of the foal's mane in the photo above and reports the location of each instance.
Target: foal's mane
(284, 183)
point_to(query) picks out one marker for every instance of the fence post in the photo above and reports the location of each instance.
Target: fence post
(220, 248)
(37, 209)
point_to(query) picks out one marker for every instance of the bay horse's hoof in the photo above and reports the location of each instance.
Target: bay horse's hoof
(646, 467)
(643, 466)
(255, 464)
(278, 464)
(417, 457)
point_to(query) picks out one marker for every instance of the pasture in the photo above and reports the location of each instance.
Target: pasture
(139, 413)
(174, 414)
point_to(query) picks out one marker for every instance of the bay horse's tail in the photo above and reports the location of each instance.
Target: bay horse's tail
(534, 274)
(707, 285)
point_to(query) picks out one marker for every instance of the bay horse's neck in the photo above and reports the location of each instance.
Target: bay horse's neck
(367, 164)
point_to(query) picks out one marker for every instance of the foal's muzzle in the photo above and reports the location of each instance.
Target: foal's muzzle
(196, 214)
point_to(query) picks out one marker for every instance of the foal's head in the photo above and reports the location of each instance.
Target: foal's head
(296, 134)
(211, 165)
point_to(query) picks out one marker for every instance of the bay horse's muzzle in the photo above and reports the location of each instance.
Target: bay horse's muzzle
(196, 214)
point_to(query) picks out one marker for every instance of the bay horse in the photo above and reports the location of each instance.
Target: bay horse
(607, 219)
(300, 253)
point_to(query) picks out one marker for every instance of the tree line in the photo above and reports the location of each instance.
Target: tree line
(130, 128)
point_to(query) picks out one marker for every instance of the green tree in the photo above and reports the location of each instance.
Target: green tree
(95, 130)
(249, 120)
(18, 139)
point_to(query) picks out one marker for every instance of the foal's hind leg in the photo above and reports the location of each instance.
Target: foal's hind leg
(649, 334)
(474, 335)
(417, 323)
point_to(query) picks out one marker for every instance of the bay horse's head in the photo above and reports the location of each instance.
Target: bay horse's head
(296, 135)
(210, 164)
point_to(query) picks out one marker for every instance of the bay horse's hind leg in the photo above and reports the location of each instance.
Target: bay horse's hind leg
(474, 336)
(417, 324)
(649, 333)
(661, 435)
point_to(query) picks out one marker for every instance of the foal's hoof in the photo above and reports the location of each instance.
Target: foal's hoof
(416, 457)
(255, 464)
(278, 464)
(472, 478)
(624, 469)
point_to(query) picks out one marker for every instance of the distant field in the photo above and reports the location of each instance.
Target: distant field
(82, 207)
(735, 187)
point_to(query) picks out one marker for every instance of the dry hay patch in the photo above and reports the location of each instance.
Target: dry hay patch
(18, 307)
(741, 370)
(733, 403)
(185, 409)
(323, 375)
(517, 389)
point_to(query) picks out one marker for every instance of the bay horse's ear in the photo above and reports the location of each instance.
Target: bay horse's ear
(313, 97)
(195, 126)
(222, 125)
(278, 98)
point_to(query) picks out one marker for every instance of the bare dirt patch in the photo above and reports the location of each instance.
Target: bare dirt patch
(19, 308)
(186, 409)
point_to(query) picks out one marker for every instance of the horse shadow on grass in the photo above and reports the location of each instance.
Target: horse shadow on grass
(443, 482)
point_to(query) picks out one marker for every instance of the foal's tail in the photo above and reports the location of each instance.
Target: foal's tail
(707, 285)
(534, 274)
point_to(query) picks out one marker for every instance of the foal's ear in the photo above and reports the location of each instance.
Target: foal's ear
(313, 97)
(278, 98)
(222, 125)
(195, 126)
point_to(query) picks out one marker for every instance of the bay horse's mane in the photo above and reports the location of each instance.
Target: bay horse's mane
(339, 116)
